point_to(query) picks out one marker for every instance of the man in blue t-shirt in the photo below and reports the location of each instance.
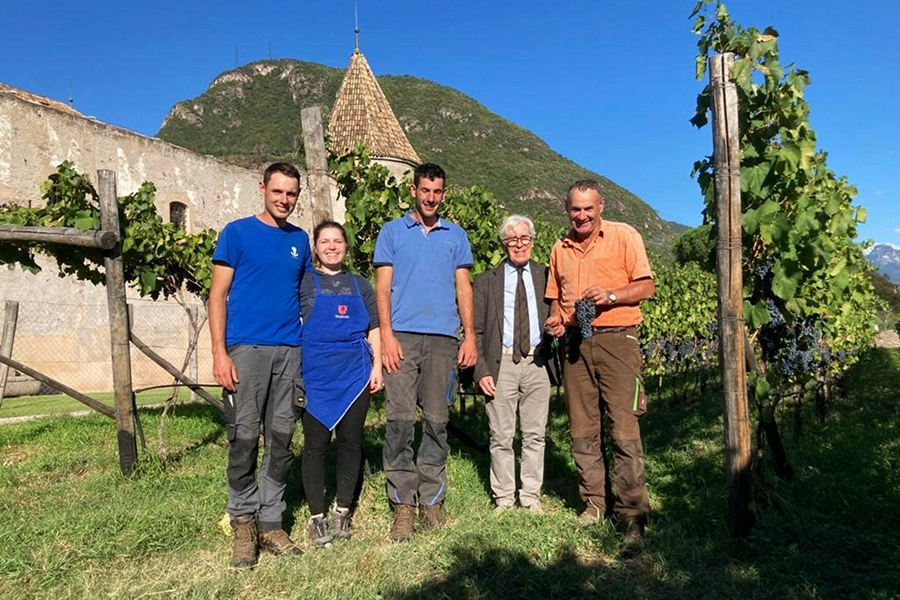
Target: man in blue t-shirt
(423, 293)
(254, 323)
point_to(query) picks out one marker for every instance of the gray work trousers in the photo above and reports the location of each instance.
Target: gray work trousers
(427, 379)
(269, 385)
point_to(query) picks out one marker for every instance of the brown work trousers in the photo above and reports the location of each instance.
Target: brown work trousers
(603, 375)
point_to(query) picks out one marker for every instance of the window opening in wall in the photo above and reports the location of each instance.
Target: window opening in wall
(178, 215)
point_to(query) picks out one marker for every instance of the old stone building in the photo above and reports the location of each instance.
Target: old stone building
(63, 324)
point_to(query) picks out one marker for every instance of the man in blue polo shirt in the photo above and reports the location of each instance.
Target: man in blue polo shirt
(423, 292)
(254, 323)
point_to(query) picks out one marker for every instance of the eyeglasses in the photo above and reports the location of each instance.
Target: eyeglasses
(525, 240)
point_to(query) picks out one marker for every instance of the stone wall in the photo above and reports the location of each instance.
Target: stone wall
(36, 134)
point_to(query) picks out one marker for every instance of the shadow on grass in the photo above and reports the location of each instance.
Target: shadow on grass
(830, 533)
(177, 414)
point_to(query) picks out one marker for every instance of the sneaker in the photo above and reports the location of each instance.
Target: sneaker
(591, 514)
(502, 508)
(318, 532)
(535, 508)
(340, 524)
(433, 517)
(278, 543)
(245, 550)
(404, 519)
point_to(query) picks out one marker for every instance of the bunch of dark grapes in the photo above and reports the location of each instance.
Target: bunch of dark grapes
(684, 350)
(585, 312)
(772, 335)
(764, 268)
(796, 348)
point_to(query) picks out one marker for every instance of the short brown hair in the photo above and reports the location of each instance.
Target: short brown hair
(583, 185)
(286, 169)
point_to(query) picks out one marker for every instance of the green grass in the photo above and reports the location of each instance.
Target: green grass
(73, 527)
(60, 404)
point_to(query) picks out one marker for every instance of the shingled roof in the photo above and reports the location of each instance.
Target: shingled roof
(362, 113)
(40, 100)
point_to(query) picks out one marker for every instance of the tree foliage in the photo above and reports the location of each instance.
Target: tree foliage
(373, 197)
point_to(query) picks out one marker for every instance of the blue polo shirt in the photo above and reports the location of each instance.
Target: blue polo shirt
(423, 287)
(264, 298)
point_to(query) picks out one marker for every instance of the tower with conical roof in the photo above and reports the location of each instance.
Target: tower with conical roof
(362, 113)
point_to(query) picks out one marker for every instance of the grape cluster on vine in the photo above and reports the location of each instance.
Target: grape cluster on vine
(796, 349)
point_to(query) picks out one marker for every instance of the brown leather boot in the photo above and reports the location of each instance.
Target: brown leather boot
(245, 551)
(433, 517)
(404, 519)
(278, 543)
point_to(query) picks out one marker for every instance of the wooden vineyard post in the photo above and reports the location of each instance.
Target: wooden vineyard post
(729, 281)
(118, 324)
(316, 163)
(11, 317)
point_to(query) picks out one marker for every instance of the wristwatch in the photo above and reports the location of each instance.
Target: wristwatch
(612, 297)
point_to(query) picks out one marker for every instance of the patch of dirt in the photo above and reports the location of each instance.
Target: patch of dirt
(11, 455)
(887, 339)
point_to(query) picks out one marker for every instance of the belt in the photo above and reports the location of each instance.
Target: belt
(509, 351)
(596, 330)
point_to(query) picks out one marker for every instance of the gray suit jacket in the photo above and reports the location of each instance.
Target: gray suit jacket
(488, 289)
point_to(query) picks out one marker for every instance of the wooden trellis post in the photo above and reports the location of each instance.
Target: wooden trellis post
(118, 324)
(316, 163)
(11, 315)
(729, 280)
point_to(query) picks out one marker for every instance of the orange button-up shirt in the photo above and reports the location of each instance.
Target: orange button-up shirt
(613, 257)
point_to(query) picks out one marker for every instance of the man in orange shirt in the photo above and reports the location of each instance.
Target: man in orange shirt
(605, 263)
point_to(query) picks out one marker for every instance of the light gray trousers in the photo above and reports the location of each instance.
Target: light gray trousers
(526, 387)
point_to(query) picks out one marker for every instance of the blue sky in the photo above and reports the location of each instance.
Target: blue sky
(609, 84)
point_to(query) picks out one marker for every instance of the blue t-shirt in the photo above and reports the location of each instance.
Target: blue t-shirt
(264, 299)
(423, 287)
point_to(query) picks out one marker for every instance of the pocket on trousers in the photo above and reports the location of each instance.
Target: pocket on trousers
(639, 407)
(228, 411)
(451, 387)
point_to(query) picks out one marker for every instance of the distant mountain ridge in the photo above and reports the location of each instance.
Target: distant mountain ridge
(251, 115)
(885, 258)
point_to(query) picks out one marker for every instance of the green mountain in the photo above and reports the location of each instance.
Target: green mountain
(251, 116)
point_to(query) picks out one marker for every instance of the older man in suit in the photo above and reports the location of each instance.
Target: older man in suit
(513, 364)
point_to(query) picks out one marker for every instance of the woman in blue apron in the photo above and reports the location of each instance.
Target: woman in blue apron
(341, 368)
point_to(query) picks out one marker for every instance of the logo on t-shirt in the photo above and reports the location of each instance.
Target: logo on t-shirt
(294, 253)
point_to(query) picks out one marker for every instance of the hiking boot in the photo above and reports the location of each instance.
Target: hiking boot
(404, 519)
(318, 532)
(632, 531)
(590, 515)
(502, 508)
(245, 550)
(433, 517)
(278, 543)
(340, 524)
(534, 508)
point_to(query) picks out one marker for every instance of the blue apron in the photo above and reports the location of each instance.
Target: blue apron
(337, 357)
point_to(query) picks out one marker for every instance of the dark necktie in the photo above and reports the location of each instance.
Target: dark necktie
(521, 326)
